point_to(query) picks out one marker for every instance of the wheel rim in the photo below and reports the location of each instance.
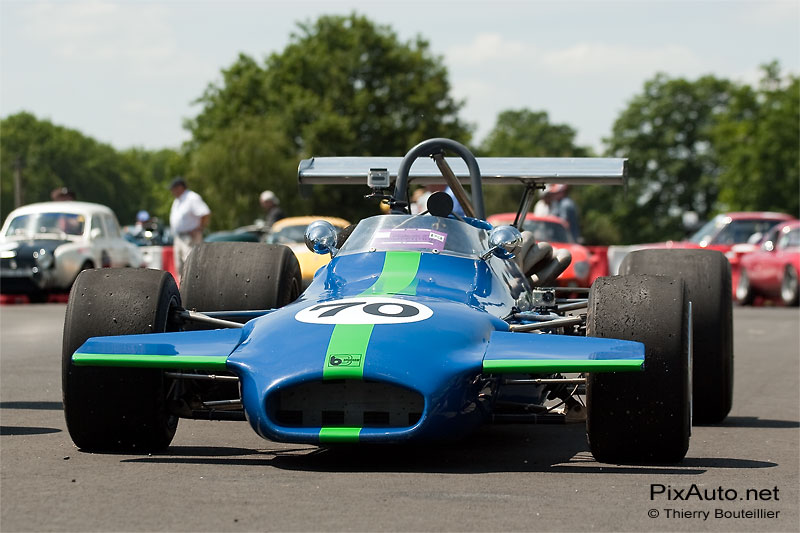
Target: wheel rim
(789, 285)
(743, 287)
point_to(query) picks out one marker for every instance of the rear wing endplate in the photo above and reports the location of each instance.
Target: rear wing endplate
(494, 170)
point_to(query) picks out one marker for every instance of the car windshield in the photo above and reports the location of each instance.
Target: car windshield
(704, 235)
(547, 231)
(724, 230)
(418, 234)
(287, 235)
(33, 224)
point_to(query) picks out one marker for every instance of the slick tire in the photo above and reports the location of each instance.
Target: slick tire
(117, 409)
(641, 417)
(240, 276)
(707, 275)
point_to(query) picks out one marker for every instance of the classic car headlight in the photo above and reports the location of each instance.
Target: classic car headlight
(43, 259)
(581, 269)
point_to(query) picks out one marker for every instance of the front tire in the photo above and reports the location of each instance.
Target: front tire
(117, 409)
(641, 417)
(707, 275)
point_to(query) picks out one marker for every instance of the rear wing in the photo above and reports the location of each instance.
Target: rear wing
(494, 170)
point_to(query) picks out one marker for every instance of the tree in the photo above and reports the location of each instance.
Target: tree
(158, 168)
(666, 133)
(53, 156)
(343, 86)
(757, 141)
(232, 167)
(525, 133)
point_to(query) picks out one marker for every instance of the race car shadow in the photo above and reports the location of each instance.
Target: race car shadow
(46, 406)
(27, 430)
(756, 422)
(492, 449)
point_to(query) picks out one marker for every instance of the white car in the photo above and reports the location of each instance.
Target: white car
(44, 246)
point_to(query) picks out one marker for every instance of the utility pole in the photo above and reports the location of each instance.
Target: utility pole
(18, 192)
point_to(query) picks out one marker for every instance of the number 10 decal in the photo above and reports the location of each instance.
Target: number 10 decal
(366, 310)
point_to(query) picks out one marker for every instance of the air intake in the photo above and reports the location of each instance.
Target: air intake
(348, 403)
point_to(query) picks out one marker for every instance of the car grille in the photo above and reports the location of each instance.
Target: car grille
(348, 403)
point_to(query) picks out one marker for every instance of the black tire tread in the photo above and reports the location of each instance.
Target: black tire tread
(227, 276)
(707, 275)
(640, 417)
(113, 409)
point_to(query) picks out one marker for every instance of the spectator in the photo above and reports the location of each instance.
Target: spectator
(555, 202)
(271, 206)
(188, 217)
(62, 194)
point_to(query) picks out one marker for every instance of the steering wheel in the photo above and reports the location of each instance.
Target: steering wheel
(435, 148)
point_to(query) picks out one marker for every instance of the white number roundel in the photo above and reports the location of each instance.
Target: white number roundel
(366, 310)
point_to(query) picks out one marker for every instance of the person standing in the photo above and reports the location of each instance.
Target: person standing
(270, 203)
(188, 217)
(555, 202)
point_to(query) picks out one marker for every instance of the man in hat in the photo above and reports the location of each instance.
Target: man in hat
(271, 206)
(555, 202)
(188, 217)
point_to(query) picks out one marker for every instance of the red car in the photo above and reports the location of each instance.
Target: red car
(554, 230)
(733, 234)
(771, 271)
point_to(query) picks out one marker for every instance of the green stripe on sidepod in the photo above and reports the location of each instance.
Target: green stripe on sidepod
(559, 365)
(347, 348)
(343, 434)
(214, 362)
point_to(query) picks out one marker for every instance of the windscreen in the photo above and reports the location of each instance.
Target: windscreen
(417, 233)
(287, 235)
(547, 231)
(28, 226)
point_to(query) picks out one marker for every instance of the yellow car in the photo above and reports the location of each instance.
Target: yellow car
(291, 231)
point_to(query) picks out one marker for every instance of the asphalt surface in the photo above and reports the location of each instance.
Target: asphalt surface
(220, 476)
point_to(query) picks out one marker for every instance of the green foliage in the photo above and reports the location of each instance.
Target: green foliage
(525, 133)
(232, 167)
(53, 156)
(343, 86)
(158, 168)
(666, 134)
(707, 145)
(757, 141)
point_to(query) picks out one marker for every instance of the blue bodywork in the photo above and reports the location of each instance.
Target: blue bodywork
(429, 372)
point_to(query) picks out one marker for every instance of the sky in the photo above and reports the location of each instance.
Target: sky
(126, 73)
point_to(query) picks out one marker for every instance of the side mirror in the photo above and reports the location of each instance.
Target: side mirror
(504, 242)
(321, 237)
(95, 233)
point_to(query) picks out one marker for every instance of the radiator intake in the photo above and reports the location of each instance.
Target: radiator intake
(347, 403)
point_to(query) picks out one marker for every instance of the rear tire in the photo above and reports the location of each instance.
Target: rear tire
(240, 276)
(237, 276)
(116, 409)
(641, 417)
(707, 274)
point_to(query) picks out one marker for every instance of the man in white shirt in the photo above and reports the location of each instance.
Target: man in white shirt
(188, 217)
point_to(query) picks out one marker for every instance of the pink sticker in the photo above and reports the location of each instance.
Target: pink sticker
(409, 238)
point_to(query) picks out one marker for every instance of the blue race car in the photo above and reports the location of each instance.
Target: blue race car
(421, 327)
